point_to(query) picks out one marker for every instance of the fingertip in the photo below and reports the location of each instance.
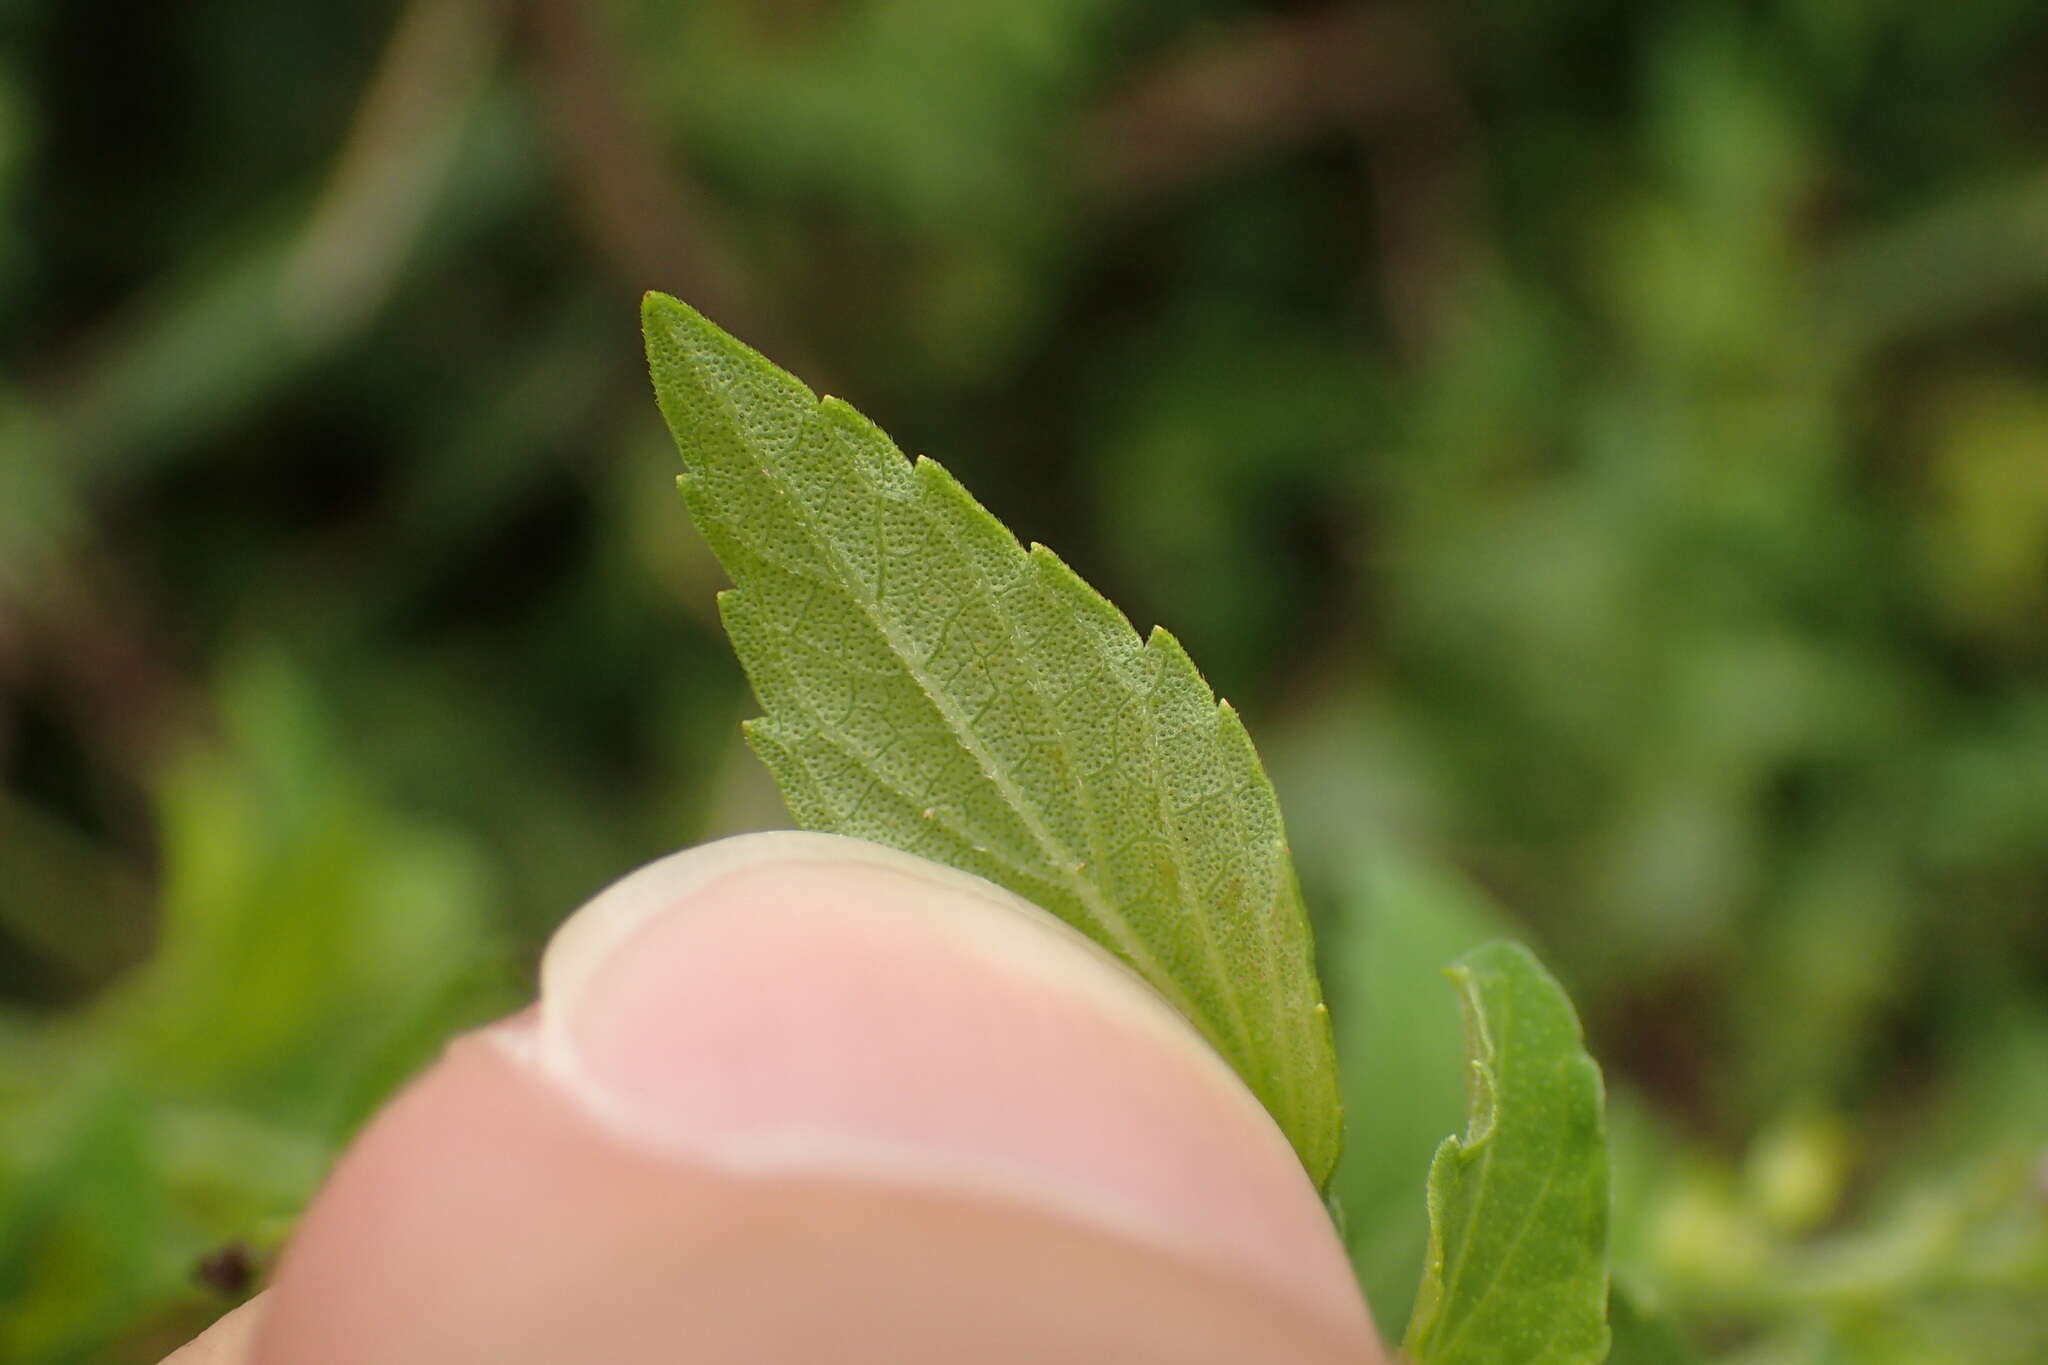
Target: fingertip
(483, 1218)
(772, 1072)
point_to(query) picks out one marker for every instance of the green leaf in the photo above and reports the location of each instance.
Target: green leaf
(931, 684)
(1517, 1269)
(1400, 1050)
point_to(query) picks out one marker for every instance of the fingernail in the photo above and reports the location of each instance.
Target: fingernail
(803, 1003)
(793, 998)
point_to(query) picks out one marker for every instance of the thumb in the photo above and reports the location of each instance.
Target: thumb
(790, 1097)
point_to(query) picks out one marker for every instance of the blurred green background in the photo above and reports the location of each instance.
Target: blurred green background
(1602, 447)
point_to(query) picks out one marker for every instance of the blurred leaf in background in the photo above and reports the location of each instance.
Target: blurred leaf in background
(314, 948)
(1599, 447)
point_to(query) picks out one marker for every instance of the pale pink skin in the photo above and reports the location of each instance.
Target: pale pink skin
(790, 1098)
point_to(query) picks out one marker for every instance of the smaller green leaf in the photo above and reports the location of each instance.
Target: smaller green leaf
(1401, 1048)
(1517, 1269)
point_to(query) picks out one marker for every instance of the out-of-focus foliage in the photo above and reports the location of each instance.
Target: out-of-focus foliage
(1602, 448)
(313, 947)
